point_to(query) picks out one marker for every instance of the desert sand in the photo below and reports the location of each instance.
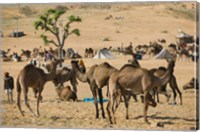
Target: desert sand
(141, 23)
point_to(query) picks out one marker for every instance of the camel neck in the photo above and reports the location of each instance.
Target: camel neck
(51, 75)
(81, 76)
(165, 78)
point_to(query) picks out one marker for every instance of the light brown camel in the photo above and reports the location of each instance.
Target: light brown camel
(66, 94)
(64, 75)
(31, 76)
(172, 82)
(130, 79)
(97, 77)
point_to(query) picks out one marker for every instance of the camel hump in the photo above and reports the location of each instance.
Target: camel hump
(29, 66)
(162, 68)
(128, 65)
(152, 70)
(106, 64)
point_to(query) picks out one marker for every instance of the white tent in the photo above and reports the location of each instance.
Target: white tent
(103, 54)
(164, 54)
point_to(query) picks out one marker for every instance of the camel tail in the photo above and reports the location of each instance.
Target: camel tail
(18, 96)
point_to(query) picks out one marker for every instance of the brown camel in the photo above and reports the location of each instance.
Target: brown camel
(64, 75)
(97, 77)
(34, 77)
(66, 94)
(26, 53)
(134, 80)
(192, 84)
(172, 82)
(89, 53)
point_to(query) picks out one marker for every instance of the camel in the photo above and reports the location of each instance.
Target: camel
(66, 94)
(4, 53)
(162, 41)
(193, 83)
(31, 76)
(64, 75)
(89, 53)
(26, 53)
(184, 54)
(134, 80)
(172, 82)
(97, 77)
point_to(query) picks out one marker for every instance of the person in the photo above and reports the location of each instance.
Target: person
(8, 86)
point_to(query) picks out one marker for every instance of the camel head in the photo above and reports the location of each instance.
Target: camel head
(74, 62)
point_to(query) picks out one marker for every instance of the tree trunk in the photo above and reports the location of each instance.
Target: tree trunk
(60, 54)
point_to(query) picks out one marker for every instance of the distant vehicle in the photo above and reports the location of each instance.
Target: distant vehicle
(17, 34)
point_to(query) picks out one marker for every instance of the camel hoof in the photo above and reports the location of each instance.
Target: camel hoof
(127, 117)
(36, 115)
(22, 113)
(172, 103)
(147, 122)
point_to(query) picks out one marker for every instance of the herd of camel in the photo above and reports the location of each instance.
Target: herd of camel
(151, 49)
(129, 81)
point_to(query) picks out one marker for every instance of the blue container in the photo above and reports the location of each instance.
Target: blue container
(92, 100)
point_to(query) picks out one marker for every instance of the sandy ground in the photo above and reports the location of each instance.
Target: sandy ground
(141, 24)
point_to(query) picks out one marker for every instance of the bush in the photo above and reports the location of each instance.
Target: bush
(60, 7)
(106, 39)
(164, 31)
(183, 12)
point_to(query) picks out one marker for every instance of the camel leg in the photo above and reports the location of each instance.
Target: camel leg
(151, 101)
(26, 99)
(108, 110)
(146, 105)
(116, 102)
(135, 98)
(101, 101)
(174, 86)
(94, 93)
(107, 91)
(18, 102)
(73, 83)
(126, 105)
(38, 102)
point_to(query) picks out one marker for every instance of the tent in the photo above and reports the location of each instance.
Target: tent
(164, 54)
(103, 54)
(183, 37)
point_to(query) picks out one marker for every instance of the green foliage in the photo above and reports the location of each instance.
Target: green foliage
(74, 19)
(76, 32)
(44, 38)
(48, 22)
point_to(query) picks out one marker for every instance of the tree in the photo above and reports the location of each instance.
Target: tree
(49, 22)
